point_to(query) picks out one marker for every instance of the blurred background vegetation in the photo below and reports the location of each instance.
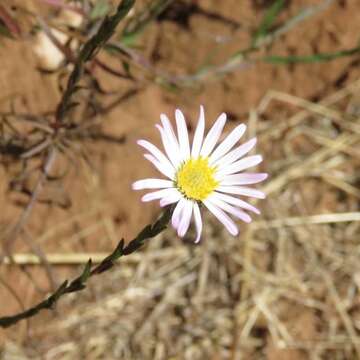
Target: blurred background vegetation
(73, 102)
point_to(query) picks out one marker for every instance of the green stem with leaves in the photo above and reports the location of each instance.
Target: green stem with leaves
(79, 283)
(104, 33)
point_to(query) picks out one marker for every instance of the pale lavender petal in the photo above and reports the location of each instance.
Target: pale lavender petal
(229, 208)
(228, 143)
(199, 134)
(242, 190)
(153, 150)
(163, 168)
(171, 146)
(185, 218)
(222, 217)
(198, 222)
(237, 202)
(169, 131)
(175, 220)
(213, 136)
(168, 128)
(152, 184)
(173, 198)
(164, 193)
(236, 153)
(244, 179)
(182, 135)
(239, 165)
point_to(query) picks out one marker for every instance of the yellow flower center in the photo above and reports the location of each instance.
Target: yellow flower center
(195, 179)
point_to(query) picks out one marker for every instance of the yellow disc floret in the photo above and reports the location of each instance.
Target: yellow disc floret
(195, 179)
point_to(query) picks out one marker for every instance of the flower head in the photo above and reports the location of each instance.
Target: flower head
(202, 174)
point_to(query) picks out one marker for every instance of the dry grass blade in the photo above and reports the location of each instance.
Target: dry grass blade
(308, 220)
(83, 258)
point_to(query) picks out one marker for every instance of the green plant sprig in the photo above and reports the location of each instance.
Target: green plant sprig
(90, 48)
(79, 283)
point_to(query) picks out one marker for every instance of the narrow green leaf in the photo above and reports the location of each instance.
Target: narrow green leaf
(118, 251)
(268, 20)
(57, 294)
(322, 57)
(86, 272)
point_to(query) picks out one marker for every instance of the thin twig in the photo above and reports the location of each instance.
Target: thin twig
(48, 164)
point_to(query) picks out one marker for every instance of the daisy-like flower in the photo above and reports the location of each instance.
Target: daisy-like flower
(202, 173)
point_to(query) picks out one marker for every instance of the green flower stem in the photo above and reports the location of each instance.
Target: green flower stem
(80, 282)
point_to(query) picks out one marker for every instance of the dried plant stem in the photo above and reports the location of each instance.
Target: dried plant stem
(48, 164)
(339, 305)
(83, 258)
(309, 220)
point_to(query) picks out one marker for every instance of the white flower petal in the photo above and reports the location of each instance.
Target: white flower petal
(239, 165)
(222, 217)
(171, 140)
(153, 150)
(236, 153)
(229, 208)
(163, 168)
(168, 128)
(171, 146)
(244, 179)
(152, 184)
(242, 190)
(228, 143)
(171, 199)
(213, 136)
(163, 193)
(198, 222)
(183, 135)
(175, 220)
(185, 218)
(237, 202)
(199, 134)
